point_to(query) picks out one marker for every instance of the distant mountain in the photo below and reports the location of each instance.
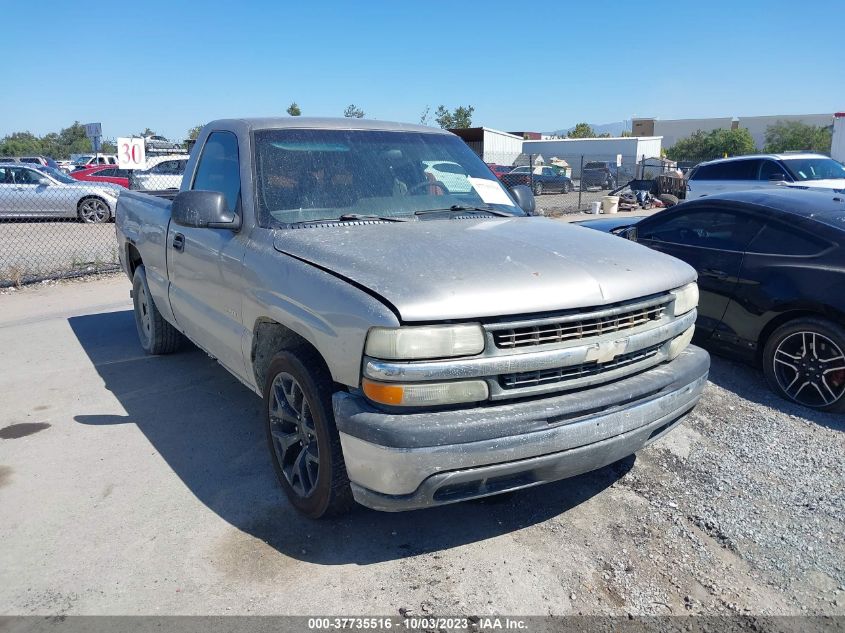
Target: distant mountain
(614, 129)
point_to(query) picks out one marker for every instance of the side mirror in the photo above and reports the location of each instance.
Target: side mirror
(204, 209)
(524, 197)
(776, 177)
(44, 181)
(627, 232)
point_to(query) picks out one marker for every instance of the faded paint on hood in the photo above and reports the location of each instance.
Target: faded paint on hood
(462, 269)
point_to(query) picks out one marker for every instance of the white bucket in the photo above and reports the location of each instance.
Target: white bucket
(610, 204)
(596, 207)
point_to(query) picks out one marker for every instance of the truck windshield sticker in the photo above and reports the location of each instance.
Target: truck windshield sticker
(490, 191)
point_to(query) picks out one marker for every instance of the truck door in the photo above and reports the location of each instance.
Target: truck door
(711, 240)
(204, 264)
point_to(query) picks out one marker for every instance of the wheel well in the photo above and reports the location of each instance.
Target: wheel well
(270, 337)
(779, 320)
(133, 258)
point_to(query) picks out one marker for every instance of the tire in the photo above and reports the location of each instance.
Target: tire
(565, 188)
(804, 362)
(538, 188)
(668, 199)
(93, 210)
(156, 335)
(302, 436)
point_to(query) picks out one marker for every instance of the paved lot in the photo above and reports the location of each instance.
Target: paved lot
(138, 485)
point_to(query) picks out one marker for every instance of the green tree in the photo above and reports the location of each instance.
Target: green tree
(459, 118)
(425, 116)
(293, 109)
(352, 112)
(582, 130)
(20, 143)
(194, 132)
(713, 144)
(786, 136)
(147, 132)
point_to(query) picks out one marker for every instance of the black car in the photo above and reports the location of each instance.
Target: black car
(598, 173)
(771, 276)
(540, 179)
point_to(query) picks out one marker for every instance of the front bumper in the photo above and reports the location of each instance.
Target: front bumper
(402, 461)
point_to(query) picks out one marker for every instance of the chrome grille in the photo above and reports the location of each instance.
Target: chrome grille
(548, 376)
(576, 327)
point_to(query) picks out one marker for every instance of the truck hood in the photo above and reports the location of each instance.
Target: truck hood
(434, 270)
(832, 183)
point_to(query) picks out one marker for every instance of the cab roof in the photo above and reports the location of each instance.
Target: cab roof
(324, 123)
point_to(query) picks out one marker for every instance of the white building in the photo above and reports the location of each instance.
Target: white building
(494, 146)
(672, 130)
(631, 149)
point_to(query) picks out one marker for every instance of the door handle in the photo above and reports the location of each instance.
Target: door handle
(178, 242)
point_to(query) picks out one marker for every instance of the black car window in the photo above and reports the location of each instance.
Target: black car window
(105, 172)
(219, 167)
(707, 228)
(25, 176)
(781, 239)
(770, 170)
(728, 170)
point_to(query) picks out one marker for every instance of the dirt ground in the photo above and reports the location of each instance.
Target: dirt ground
(139, 485)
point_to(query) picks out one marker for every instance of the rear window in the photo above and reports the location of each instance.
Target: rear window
(779, 239)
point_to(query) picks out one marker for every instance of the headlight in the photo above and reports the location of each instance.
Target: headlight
(425, 394)
(435, 341)
(679, 343)
(686, 298)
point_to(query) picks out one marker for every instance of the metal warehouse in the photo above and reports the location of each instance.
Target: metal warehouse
(632, 149)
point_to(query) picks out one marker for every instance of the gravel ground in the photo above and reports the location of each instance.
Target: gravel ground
(143, 486)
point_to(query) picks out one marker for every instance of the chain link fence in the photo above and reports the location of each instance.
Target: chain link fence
(565, 184)
(56, 219)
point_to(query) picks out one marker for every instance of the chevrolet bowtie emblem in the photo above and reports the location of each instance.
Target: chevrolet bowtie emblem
(606, 351)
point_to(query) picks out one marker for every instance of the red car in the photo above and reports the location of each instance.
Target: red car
(103, 173)
(499, 170)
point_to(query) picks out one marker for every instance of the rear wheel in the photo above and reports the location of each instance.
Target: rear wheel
(156, 335)
(304, 443)
(538, 188)
(93, 211)
(804, 361)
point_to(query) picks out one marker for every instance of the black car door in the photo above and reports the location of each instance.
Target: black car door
(710, 239)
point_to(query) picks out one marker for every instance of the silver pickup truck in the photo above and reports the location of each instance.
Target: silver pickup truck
(418, 336)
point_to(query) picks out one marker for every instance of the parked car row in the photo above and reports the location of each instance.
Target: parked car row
(540, 178)
(771, 276)
(38, 191)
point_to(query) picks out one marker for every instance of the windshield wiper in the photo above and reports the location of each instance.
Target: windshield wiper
(458, 208)
(349, 217)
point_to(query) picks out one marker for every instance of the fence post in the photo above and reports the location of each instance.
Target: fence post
(580, 182)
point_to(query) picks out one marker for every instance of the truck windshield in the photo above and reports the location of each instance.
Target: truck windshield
(814, 168)
(305, 175)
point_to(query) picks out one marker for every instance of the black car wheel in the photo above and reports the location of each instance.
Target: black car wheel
(304, 443)
(804, 361)
(156, 335)
(538, 188)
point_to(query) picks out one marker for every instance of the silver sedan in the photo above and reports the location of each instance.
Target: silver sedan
(29, 192)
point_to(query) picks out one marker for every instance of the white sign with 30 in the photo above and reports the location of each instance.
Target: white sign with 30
(130, 153)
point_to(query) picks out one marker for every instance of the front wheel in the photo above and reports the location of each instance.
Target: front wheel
(804, 361)
(538, 188)
(304, 443)
(93, 211)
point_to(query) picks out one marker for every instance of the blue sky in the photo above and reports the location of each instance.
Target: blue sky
(523, 65)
